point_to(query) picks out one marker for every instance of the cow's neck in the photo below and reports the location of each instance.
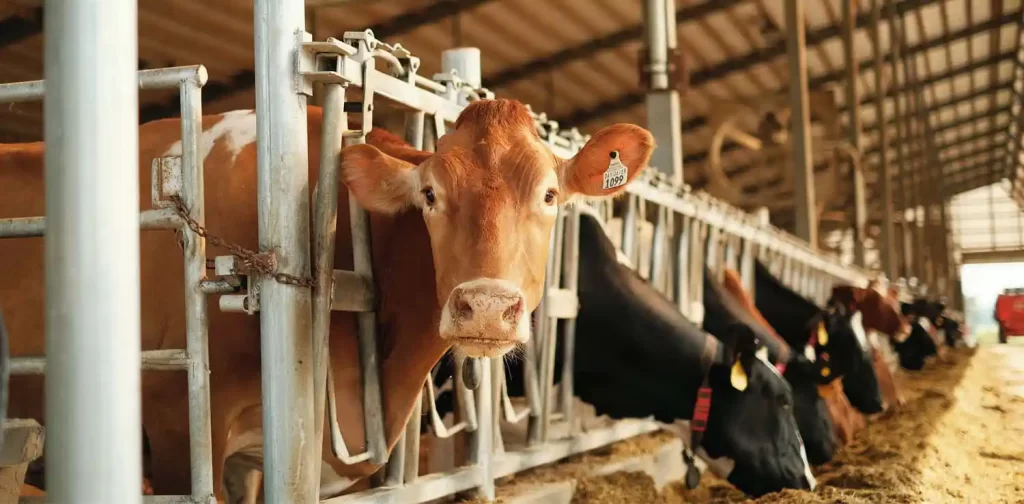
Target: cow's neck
(408, 343)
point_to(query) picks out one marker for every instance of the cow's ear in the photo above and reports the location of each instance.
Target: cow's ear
(612, 158)
(379, 182)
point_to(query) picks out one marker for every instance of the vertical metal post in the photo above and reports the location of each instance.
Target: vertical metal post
(922, 177)
(800, 125)
(570, 279)
(902, 140)
(414, 130)
(664, 115)
(886, 242)
(93, 409)
(860, 206)
(196, 328)
(481, 442)
(285, 311)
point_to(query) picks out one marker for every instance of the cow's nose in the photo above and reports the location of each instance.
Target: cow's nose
(487, 301)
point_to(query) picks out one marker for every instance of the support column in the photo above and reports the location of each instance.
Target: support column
(660, 74)
(806, 225)
(285, 312)
(860, 207)
(93, 411)
(886, 242)
(902, 140)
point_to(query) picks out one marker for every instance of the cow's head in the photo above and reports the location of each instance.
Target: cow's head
(489, 198)
(752, 420)
(809, 407)
(843, 351)
(880, 313)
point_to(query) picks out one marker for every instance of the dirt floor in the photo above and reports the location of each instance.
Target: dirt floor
(960, 438)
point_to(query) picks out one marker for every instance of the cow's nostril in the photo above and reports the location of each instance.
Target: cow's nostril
(462, 309)
(513, 312)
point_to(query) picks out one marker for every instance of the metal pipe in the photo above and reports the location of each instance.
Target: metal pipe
(886, 243)
(158, 78)
(570, 279)
(151, 360)
(93, 407)
(196, 319)
(901, 134)
(26, 227)
(860, 207)
(664, 109)
(325, 222)
(481, 443)
(800, 125)
(289, 469)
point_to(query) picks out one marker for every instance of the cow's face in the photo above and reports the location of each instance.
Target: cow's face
(489, 198)
(880, 312)
(752, 422)
(845, 352)
(809, 409)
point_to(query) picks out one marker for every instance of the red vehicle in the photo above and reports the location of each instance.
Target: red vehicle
(1010, 313)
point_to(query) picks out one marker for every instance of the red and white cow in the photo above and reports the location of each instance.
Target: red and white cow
(460, 242)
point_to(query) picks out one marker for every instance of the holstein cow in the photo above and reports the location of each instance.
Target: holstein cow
(840, 344)
(460, 243)
(917, 345)
(879, 317)
(727, 304)
(636, 355)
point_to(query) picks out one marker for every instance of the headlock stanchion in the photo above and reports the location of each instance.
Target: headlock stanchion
(668, 232)
(175, 176)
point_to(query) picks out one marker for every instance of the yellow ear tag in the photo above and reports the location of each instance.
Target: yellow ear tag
(738, 377)
(825, 372)
(822, 334)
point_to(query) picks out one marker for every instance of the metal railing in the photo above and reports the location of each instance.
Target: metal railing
(178, 176)
(689, 231)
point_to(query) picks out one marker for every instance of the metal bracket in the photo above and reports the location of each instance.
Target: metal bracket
(165, 180)
(248, 303)
(365, 44)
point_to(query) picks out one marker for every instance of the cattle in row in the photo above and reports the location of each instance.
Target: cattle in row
(726, 303)
(459, 245)
(636, 356)
(836, 333)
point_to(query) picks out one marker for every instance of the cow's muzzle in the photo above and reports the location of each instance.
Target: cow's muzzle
(485, 317)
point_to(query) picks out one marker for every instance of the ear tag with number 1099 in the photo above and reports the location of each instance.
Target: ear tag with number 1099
(616, 173)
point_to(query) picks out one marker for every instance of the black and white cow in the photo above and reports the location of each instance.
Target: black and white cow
(637, 356)
(840, 344)
(721, 311)
(915, 347)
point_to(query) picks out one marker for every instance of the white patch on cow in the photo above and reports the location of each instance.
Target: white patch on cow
(810, 354)
(236, 129)
(762, 355)
(923, 321)
(720, 467)
(857, 322)
(807, 465)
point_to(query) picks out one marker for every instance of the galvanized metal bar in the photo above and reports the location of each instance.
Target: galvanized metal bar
(664, 115)
(26, 227)
(800, 125)
(415, 122)
(481, 442)
(289, 467)
(918, 184)
(373, 411)
(548, 327)
(151, 360)
(570, 280)
(901, 134)
(629, 230)
(157, 78)
(886, 241)
(683, 267)
(860, 207)
(93, 409)
(196, 320)
(325, 227)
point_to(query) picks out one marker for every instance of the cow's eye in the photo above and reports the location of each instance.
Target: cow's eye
(428, 194)
(549, 197)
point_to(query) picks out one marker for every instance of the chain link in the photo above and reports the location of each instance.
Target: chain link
(263, 264)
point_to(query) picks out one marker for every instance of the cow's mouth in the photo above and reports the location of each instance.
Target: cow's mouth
(484, 347)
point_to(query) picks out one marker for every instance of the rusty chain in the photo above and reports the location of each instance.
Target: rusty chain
(263, 264)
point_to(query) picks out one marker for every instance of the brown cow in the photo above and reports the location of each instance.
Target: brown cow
(460, 242)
